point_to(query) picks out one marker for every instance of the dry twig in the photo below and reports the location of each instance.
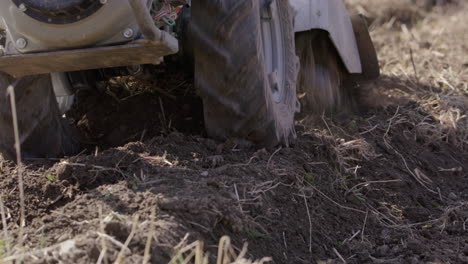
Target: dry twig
(310, 222)
(271, 157)
(337, 204)
(103, 242)
(11, 93)
(364, 225)
(5, 227)
(368, 183)
(146, 257)
(129, 239)
(339, 255)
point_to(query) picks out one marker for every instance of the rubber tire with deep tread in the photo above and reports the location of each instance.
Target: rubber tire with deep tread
(230, 72)
(43, 132)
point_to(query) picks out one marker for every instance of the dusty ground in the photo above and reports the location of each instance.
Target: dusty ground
(387, 184)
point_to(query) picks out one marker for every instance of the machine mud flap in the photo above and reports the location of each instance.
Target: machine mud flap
(367, 53)
(85, 59)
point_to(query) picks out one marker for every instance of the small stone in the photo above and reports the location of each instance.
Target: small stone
(216, 160)
(204, 174)
(415, 260)
(383, 250)
(452, 196)
(64, 237)
(425, 45)
(396, 250)
(67, 246)
(307, 167)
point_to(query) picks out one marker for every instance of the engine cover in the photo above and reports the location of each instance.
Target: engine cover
(58, 11)
(51, 25)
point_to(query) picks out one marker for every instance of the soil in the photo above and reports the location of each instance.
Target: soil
(384, 184)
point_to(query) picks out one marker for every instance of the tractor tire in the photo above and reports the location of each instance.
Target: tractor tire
(246, 69)
(321, 82)
(43, 133)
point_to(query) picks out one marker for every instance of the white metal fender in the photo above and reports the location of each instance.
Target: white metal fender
(331, 16)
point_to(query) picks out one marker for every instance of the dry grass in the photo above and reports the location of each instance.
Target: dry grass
(18, 245)
(425, 76)
(193, 253)
(424, 68)
(184, 253)
(423, 51)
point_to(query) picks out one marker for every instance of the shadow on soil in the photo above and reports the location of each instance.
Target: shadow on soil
(378, 187)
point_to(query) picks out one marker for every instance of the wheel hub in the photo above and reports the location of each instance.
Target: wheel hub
(58, 11)
(272, 39)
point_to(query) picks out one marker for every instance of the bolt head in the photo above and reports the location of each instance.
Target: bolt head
(21, 43)
(22, 7)
(128, 33)
(134, 69)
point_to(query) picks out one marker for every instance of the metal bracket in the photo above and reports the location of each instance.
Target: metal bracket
(330, 16)
(91, 58)
(266, 13)
(367, 52)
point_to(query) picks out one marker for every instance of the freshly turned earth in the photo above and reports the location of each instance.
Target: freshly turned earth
(385, 184)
